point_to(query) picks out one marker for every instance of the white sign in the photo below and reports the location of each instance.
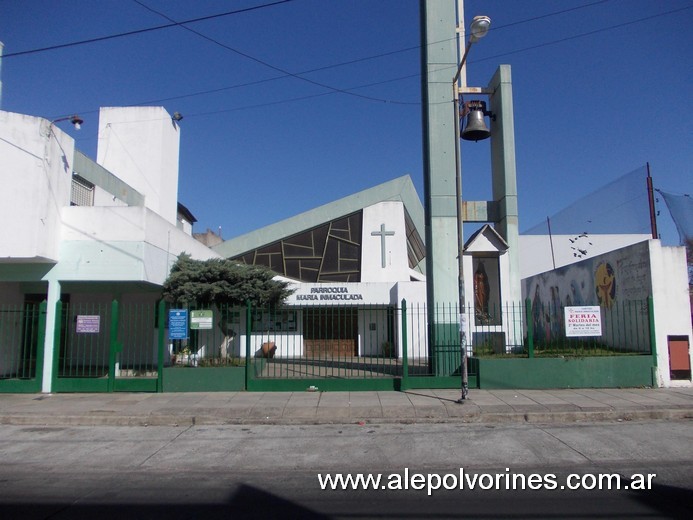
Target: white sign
(583, 321)
(88, 324)
(201, 320)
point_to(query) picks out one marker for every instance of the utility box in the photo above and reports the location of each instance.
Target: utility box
(679, 357)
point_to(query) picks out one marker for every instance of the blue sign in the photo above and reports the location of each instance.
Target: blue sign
(178, 324)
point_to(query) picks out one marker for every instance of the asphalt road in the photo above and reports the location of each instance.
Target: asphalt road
(272, 471)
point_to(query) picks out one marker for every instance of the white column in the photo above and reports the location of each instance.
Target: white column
(49, 347)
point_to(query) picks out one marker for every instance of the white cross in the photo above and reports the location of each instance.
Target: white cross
(382, 234)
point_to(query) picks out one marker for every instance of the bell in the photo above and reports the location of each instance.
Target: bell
(476, 129)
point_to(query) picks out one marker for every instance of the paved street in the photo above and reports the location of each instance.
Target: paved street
(259, 455)
(271, 471)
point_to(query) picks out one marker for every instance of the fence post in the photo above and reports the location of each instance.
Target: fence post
(653, 339)
(162, 337)
(114, 346)
(530, 328)
(405, 347)
(41, 342)
(57, 346)
(248, 326)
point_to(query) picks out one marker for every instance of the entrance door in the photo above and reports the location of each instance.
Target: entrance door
(135, 343)
(330, 332)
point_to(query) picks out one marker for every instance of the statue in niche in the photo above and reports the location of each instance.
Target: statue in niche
(482, 291)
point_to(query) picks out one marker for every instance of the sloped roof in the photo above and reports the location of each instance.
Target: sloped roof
(492, 239)
(399, 189)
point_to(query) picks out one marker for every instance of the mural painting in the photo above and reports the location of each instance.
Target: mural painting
(617, 276)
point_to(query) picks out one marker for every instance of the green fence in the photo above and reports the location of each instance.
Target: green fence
(106, 347)
(625, 327)
(22, 333)
(412, 346)
(122, 345)
(324, 348)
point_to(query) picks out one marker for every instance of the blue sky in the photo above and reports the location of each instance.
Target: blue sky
(297, 104)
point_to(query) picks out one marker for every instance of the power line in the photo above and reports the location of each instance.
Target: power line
(257, 60)
(347, 91)
(141, 31)
(582, 35)
(508, 53)
(299, 75)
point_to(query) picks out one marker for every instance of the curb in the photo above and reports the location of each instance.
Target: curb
(671, 414)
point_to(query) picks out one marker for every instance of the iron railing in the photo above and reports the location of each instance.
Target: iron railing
(21, 340)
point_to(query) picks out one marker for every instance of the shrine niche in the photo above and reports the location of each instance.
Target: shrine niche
(487, 309)
(485, 270)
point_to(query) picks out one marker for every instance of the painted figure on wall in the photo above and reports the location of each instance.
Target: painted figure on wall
(605, 282)
(482, 290)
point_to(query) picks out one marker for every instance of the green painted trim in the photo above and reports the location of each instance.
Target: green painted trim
(161, 345)
(81, 385)
(101, 177)
(20, 386)
(422, 382)
(446, 351)
(135, 384)
(405, 347)
(330, 385)
(653, 335)
(400, 189)
(587, 372)
(248, 334)
(114, 346)
(41, 342)
(204, 379)
(530, 327)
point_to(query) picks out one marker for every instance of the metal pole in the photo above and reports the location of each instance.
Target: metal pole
(460, 246)
(553, 258)
(650, 198)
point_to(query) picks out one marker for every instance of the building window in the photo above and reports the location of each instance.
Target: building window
(82, 192)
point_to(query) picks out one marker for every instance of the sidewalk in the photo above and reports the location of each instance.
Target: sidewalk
(413, 406)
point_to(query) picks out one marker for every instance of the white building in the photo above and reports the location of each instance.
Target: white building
(82, 231)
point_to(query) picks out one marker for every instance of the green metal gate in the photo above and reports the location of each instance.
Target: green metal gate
(22, 333)
(108, 347)
(322, 348)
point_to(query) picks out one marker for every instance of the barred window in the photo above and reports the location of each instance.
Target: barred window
(82, 192)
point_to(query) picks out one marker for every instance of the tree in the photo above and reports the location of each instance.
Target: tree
(222, 281)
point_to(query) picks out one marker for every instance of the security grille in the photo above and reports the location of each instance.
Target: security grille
(82, 192)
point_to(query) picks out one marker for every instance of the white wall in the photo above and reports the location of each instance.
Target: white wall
(36, 176)
(671, 304)
(391, 214)
(536, 255)
(121, 243)
(141, 146)
(640, 270)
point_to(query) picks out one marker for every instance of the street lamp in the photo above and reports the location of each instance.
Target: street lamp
(75, 120)
(478, 29)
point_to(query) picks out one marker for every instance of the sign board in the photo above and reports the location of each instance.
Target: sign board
(88, 324)
(583, 321)
(200, 320)
(178, 324)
